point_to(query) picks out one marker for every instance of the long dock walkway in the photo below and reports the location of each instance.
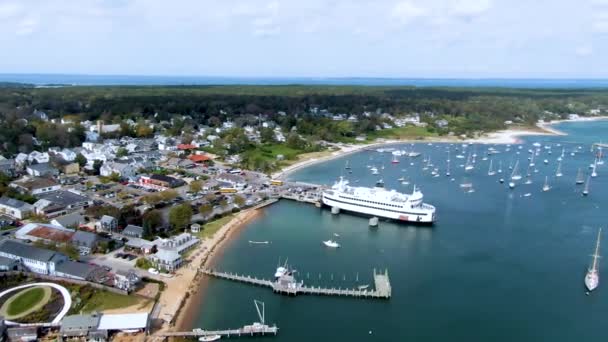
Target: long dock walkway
(381, 281)
(248, 330)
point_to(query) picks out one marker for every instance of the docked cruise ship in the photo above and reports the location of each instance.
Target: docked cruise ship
(379, 202)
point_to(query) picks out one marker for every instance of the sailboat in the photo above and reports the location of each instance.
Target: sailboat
(546, 186)
(558, 173)
(468, 166)
(580, 179)
(347, 166)
(515, 174)
(395, 160)
(586, 190)
(491, 171)
(594, 172)
(500, 166)
(374, 170)
(592, 278)
(447, 170)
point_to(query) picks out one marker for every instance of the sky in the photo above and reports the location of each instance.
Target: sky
(307, 38)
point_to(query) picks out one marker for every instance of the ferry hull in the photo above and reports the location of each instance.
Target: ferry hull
(412, 216)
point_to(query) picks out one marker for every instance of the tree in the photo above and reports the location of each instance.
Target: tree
(168, 195)
(239, 200)
(205, 209)
(122, 152)
(294, 141)
(196, 186)
(96, 166)
(267, 135)
(180, 216)
(154, 219)
(81, 160)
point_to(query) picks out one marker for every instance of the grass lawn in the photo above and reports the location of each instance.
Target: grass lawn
(105, 300)
(269, 152)
(212, 227)
(25, 300)
(408, 132)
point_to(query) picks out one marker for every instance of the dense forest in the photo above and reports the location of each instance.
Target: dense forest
(466, 109)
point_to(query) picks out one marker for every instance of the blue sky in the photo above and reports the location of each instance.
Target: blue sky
(309, 38)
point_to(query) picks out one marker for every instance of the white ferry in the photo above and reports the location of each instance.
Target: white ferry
(379, 202)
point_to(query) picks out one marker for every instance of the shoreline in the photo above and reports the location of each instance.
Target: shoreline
(187, 285)
(501, 137)
(213, 248)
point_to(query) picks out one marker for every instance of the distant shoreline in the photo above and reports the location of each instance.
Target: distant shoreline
(502, 137)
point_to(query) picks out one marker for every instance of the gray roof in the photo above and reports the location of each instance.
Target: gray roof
(36, 183)
(74, 268)
(78, 322)
(107, 219)
(4, 261)
(133, 230)
(69, 220)
(63, 197)
(43, 167)
(15, 203)
(84, 238)
(26, 251)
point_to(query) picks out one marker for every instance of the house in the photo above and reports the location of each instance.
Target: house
(441, 123)
(108, 223)
(67, 167)
(79, 271)
(86, 242)
(22, 334)
(72, 220)
(166, 259)
(177, 163)
(133, 231)
(123, 170)
(8, 167)
(38, 157)
(126, 280)
(15, 208)
(179, 243)
(199, 158)
(60, 202)
(235, 181)
(573, 117)
(34, 259)
(35, 185)
(186, 147)
(42, 170)
(195, 228)
(49, 233)
(79, 326)
(160, 182)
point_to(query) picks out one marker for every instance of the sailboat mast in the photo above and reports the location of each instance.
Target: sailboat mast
(597, 250)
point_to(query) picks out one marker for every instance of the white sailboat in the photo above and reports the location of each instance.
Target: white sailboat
(558, 173)
(374, 170)
(515, 174)
(580, 179)
(491, 171)
(586, 189)
(593, 170)
(546, 186)
(469, 164)
(592, 278)
(500, 166)
(331, 244)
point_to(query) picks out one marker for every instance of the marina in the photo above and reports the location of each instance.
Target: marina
(488, 251)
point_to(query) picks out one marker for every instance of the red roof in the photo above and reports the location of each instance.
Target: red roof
(198, 158)
(186, 147)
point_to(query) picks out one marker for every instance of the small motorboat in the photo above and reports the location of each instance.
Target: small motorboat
(362, 287)
(331, 244)
(210, 338)
(259, 242)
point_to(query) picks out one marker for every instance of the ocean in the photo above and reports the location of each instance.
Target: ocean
(497, 266)
(101, 80)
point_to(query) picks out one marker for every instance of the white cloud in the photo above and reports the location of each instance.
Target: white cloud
(584, 51)
(27, 26)
(469, 8)
(9, 10)
(405, 12)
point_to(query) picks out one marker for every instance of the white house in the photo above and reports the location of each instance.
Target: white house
(38, 157)
(37, 260)
(121, 169)
(15, 208)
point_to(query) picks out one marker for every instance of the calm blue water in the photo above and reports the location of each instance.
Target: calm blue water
(42, 79)
(497, 266)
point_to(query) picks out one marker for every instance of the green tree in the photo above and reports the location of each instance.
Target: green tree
(180, 216)
(205, 209)
(196, 186)
(267, 135)
(154, 219)
(122, 152)
(239, 200)
(81, 160)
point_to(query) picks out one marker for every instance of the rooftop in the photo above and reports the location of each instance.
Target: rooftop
(63, 197)
(26, 251)
(15, 203)
(124, 321)
(35, 183)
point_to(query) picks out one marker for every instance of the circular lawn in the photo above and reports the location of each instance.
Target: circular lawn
(25, 302)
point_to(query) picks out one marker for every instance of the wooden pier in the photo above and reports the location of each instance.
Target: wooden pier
(248, 330)
(291, 287)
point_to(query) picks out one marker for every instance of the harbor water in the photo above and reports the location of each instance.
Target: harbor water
(500, 264)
